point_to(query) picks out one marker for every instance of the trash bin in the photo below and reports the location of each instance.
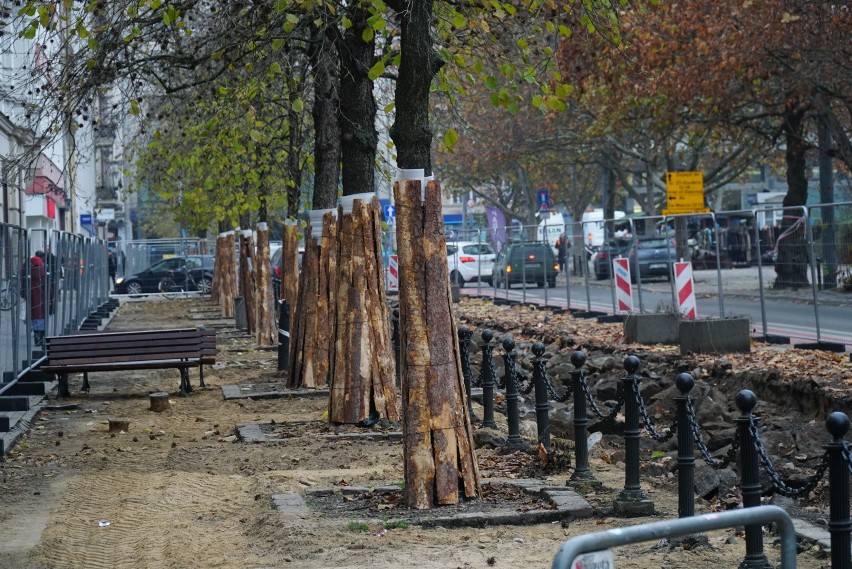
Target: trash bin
(241, 320)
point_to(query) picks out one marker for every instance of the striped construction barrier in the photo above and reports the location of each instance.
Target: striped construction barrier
(685, 288)
(623, 290)
(393, 273)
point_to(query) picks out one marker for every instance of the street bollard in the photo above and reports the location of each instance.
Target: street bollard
(486, 377)
(464, 354)
(581, 420)
(542, 407)
(283, 335)
(512, 414)
(632, 500)
(750, 481)
(839, 524)
(685, 449)
(395, 340)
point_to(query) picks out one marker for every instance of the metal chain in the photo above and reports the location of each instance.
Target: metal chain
(465, 362)
(551, 390)
(778, 484)
(523, 390)
(591, 400)
(702, 446)
(649, 425)
(847, 455)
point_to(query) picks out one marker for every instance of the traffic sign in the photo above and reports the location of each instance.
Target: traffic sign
(85, 219)
(685, 193)
(390, 213)
(543, 198)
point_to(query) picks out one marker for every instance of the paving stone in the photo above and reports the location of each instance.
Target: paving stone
(354, 490)
(381, 490)
(319, 492)
(291, 503)
(251, 433)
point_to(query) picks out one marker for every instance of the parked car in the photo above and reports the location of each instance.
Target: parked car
(532, 262)
(469, 261)
(201, 267)
(652, 257)
(602, 259)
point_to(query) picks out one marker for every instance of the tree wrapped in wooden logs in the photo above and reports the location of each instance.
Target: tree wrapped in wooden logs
(290, 268)
(311, 346)
(267, 325)
(364, 373)
(438, 441)
(247, 279)
(225, 273)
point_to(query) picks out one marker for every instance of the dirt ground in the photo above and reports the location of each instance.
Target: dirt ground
(179, 490)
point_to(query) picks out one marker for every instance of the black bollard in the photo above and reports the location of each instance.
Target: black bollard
(542, 407)
(283, 335)
(464, 355)
(581, 420)
(839, 524)
(632, 501)
(750, 481)
(513, 417)
(685, 449)
(486, 376)
(395, 340)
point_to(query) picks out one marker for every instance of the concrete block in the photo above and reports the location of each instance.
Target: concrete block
(652, 328)
(719, 336)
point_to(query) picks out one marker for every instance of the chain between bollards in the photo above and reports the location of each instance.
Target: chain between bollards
(487, 375)
(581, 420)
(512, 414)
(750, 481)
(542, 407)
(839, 524)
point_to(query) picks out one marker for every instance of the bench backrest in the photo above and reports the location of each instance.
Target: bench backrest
(132, 346)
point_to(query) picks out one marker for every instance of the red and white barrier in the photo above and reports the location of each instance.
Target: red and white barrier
(623, 290)
(685, 288)
(393, 273)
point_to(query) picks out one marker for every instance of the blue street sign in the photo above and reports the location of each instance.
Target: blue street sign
(85, 219)
(390, 213)
(543, 199)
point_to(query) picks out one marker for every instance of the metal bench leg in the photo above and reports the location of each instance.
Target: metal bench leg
(185, 387)
(62, 388)
(201, 376)
(86, 386)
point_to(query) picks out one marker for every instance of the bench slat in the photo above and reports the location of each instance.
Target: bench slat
(121, 366)
(121, 337)
(125, 348)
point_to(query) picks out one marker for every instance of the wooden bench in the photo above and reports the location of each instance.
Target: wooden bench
(180, 348)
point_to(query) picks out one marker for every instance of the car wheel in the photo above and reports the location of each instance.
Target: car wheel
(601, 276)
(134, 288)
(633, 279)
(204, 285)
(552, 282)
(457, 279)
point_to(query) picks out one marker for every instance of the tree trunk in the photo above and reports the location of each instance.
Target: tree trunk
(792, 265)
(290, 269)
(228, 279)
(246, 278)
(217, 267)
(364, 373)
(438, 450)
(312, 348)
(267, 326)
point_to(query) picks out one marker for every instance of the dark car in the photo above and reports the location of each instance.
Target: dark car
(532, 262)
(652, 257)
(199, 267)
(610, 250)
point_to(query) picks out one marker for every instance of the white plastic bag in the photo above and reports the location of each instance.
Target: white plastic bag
(22, 310)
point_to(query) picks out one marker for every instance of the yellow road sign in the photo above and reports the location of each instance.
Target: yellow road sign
(684, 193)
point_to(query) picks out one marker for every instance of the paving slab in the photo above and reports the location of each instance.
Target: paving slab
(230, 392)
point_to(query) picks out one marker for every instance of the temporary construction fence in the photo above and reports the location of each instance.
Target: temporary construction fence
(142, 265)
(49, 297)
(788, 269)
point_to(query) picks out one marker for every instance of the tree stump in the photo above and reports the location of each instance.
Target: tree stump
(438, 451)
(159, 401)
(267, 325)
(364, 373)
(117, 424)
(311, 348)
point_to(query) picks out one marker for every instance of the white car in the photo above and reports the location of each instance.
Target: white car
(470, 261)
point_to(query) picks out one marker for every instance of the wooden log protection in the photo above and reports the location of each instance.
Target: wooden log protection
(227, 281)
(312, 346)
(247, 278)
(364, 373)
(290, 268)
(267, 324)
(438, 451)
